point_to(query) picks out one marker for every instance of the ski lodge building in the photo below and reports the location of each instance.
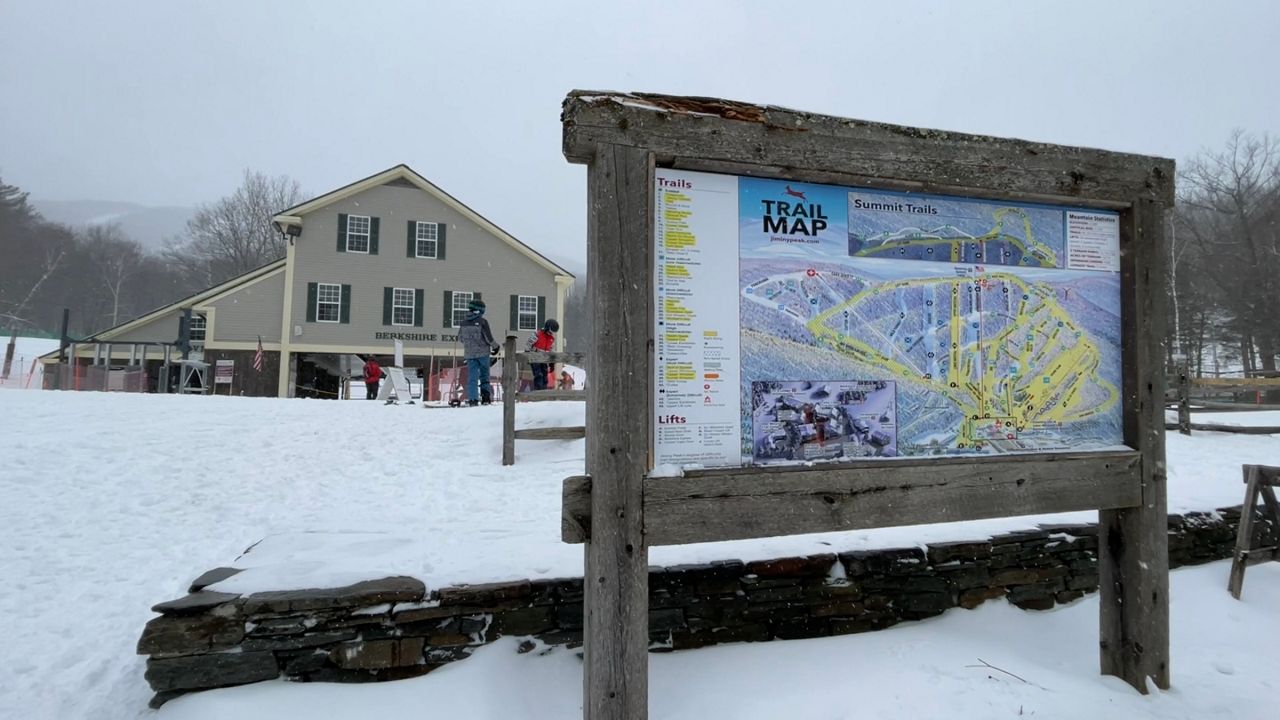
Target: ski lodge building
(390, 257)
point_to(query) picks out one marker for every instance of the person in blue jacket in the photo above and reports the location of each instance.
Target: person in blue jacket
(477, 346)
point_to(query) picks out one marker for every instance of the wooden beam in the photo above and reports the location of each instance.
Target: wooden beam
(544, 395)
(1133, 543)
(510, 381)
(572, 432)
(712, 505)
(551, 358)
(749, 139)
(616, 578)
(1257, 384)
(1237, 429)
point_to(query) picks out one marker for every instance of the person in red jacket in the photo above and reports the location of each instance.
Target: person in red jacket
(542, 341)
(372, 374)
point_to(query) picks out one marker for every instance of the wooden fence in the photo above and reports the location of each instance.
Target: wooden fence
(511, 394)
(1182, 386)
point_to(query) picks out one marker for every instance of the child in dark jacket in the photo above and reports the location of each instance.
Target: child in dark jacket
(542, 341)
(477, 345)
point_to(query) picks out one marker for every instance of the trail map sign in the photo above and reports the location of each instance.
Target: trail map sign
(805, 323)
(799, 322)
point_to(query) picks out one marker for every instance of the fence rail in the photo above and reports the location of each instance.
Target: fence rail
(1180, 385)
(511, 395)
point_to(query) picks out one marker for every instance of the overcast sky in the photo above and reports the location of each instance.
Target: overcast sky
(165, 102)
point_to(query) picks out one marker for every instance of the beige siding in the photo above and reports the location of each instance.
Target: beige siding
(249, 312)
(163, 328)
(475, 261)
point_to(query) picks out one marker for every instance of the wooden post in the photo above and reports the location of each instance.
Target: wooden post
(1133, 543)
(616, 580)
(1184, 397)
(1260, 482)
(510, 378)
(9, 352)
(1244, 533)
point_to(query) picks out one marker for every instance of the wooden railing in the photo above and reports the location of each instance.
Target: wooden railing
(1180, 385)
(511, 394)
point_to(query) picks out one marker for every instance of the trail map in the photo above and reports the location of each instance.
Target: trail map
(977, 326)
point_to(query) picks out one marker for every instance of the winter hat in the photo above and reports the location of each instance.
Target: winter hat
(476, 306)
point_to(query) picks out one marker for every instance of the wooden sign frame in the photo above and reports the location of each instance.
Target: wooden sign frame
(619, 512)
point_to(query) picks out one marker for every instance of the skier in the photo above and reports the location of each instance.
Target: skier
(542, 341)
(372, 374)
(477, 345)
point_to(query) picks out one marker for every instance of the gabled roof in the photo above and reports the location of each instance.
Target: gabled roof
(293, 216)
(186, 302)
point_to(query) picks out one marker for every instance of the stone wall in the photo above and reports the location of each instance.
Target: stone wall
(397, 628)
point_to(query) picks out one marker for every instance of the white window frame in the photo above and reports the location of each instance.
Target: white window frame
(199, 323)
(356, 235)
(419, 229)
(321, 302)
(396, 296)
(521, 312)
(460, 301)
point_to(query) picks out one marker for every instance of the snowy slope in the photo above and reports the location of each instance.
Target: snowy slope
(110, 503)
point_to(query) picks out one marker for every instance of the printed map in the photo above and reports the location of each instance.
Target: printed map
(961, 306)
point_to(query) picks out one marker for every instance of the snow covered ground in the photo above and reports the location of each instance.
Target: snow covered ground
(110, 503)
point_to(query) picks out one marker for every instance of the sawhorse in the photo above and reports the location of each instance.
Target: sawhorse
(1260, 481)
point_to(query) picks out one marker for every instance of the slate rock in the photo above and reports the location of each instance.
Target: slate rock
(196, 602)
(297, 642)
(665, 620)
(210, 577)
(485, 593)
(970, 599)
(808, 566)
(377, 654)
(369, 592)
(531, 621)
(199, 672)
(190, 634)
(939, 553)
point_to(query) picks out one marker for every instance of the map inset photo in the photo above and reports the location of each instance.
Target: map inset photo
(808, 420)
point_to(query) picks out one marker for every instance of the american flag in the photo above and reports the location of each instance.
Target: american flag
(257, 357)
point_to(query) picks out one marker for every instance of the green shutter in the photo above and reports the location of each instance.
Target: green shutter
(311, 302)
(440, 240)
(412, 250)
(373, 236)
(448, 308)
(476, 296)
(342, 232)
(542, 310)
(344, 306)
(417, 308)
(515, 312)
(386, 305)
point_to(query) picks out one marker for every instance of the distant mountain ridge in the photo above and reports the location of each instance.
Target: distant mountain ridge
(150, 226)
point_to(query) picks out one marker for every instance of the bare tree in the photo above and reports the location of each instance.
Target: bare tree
(116, 260)
(1230, 209)
(234, 235)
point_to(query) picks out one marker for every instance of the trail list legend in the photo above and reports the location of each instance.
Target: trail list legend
(697, 369)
